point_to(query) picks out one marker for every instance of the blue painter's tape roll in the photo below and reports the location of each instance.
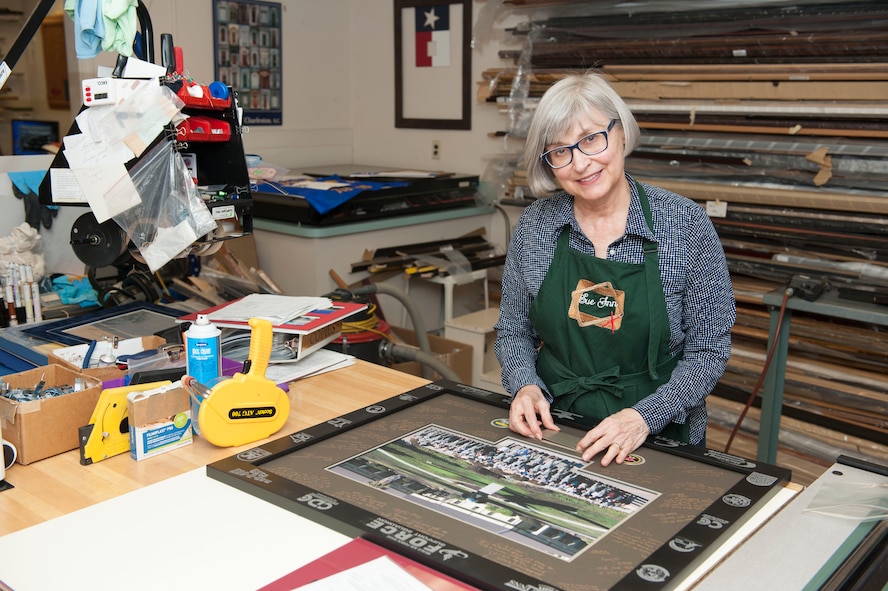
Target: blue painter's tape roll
(218, 90)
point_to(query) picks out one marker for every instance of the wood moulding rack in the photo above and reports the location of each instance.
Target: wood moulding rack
(757, 109)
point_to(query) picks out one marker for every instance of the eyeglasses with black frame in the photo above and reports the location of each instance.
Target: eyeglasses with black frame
(594, 143)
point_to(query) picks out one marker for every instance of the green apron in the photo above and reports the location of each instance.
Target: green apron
(605, 331)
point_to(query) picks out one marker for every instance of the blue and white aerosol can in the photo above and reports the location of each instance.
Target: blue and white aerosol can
(203, 356)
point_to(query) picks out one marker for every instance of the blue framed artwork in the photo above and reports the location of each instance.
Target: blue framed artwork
(29, 136)
(248, 57)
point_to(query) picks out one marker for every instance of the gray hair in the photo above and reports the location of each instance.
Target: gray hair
(564, 103)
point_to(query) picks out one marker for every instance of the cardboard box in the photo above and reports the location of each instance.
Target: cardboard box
(159, 420)
(46, 427)
(455, 355)
(72, 357)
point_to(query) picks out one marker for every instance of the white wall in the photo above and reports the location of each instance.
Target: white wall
(377, 141)
(54, 241)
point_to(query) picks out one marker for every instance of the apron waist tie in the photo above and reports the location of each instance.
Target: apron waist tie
(609, 381)
(569, 389)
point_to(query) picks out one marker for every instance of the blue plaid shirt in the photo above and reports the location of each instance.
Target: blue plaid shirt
(696, 283)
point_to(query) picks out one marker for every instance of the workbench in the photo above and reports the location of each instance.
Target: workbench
(60, 485)
(163, 523)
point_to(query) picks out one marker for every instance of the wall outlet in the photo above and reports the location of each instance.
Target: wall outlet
(436, 150)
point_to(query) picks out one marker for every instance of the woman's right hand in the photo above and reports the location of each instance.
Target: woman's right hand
(529, 412)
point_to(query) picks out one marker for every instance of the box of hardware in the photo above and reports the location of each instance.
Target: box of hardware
(42, 408)
(102, 362)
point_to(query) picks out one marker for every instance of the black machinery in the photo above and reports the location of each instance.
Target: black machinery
(222, 167)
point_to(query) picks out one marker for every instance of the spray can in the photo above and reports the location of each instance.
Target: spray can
(203, 356)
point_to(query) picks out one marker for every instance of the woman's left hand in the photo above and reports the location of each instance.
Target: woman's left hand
(617, 436)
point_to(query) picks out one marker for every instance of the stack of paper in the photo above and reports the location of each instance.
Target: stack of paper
(320, 361)
(276, 308)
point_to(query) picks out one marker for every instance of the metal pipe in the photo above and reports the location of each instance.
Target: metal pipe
(422, 337)
(392, 352)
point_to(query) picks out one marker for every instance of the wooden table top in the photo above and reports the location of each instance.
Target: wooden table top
(59, 485)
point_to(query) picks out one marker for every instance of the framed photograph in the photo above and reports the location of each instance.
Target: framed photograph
(248, 57)
(436, 475)
(433, 64)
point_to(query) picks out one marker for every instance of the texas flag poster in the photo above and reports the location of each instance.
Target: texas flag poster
(431, 58)
(432, 26)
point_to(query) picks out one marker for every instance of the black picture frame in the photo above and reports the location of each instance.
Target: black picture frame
(705, 496)
(413, 84)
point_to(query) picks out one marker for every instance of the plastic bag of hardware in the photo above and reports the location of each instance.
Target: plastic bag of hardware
(171, 215)
(855, 501)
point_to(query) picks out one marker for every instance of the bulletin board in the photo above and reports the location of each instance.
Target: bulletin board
(248, 57)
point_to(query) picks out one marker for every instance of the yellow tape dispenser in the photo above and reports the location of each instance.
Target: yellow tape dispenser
(107, 433)
(248, 407)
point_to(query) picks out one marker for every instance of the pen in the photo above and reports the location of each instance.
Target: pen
(17, 294)
(26, 297)
(34, 287)
(10, 303)
(38, 306)
(10, 297)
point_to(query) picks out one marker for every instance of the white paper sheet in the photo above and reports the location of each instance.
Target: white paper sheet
(276, 308)
(320, 361)
(379, 574)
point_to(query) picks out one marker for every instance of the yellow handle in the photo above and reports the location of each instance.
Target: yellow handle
(261, 341)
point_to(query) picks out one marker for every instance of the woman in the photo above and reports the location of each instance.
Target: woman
(617, 302)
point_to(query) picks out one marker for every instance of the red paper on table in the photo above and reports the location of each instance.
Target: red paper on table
(356, 553)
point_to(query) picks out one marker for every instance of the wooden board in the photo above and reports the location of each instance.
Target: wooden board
(824, 200)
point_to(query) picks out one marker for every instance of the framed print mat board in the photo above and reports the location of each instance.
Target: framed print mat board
(436, 474)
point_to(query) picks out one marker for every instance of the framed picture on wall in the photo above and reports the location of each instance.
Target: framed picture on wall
(433, 64)
(29, 136)
(248, 57)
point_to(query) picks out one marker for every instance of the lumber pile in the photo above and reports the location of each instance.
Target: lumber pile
(772, 115)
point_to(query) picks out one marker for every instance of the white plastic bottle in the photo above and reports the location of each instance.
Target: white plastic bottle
(203, 356)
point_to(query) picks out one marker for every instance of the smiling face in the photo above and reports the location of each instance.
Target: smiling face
(598, 180)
